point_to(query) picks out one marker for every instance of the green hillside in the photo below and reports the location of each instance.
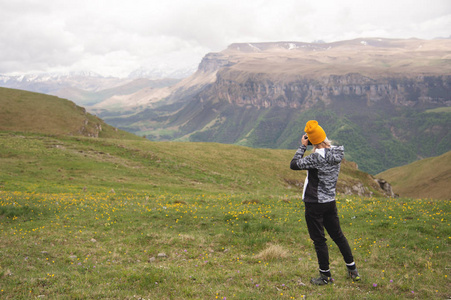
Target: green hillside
(102, 164)
(427, 178)
(24, 111)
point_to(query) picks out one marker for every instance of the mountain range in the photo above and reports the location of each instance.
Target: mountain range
(387, 100)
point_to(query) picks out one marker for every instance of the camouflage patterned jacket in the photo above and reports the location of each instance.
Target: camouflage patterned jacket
(322, 168)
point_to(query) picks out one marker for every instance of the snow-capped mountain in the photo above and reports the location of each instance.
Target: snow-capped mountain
(162, 72)
(48, 83)
(89, 88)
(53, 83)
(45, 77)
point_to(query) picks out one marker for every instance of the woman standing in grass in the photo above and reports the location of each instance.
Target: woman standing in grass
(322, 166)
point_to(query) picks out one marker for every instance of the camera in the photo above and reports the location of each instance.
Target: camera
(309, 143)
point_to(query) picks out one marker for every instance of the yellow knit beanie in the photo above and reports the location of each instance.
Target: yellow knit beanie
(315, 133)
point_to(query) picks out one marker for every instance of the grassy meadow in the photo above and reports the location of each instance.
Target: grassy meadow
(84, 218)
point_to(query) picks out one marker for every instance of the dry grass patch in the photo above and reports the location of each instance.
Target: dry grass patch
(272, 252)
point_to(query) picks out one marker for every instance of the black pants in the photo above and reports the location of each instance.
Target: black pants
(318, 217)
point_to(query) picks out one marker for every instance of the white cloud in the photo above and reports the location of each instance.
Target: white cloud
(115, 37)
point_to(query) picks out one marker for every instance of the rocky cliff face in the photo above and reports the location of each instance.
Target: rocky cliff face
(302, 93)
(297, 75)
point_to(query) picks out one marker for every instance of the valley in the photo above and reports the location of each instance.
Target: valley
(373, 95)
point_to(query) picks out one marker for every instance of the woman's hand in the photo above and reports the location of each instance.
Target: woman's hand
(304, 140)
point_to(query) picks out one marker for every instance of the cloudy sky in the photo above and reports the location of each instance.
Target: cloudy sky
(115, 37)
